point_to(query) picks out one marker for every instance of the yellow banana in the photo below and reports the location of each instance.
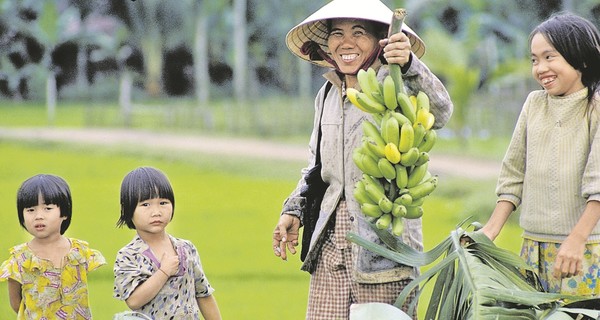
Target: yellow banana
(392, 131)
(385, 205)
(367, 102)
(416, 175)
(422, 116)
(392, 154)
(371, 132)
(414, 212)
(428, 141)
(386, 168)
(401, 176)
(360, 194)
(430, 121)
(410, 157)
(397, 226)
(419, 133)
(424, 188)
(422, 101)
(398, 210)
(407, 137)
(384, 221)
(389, 93)
(406, 106)
(413, 101)
(371, 210)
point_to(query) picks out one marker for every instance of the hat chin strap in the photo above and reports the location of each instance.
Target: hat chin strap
(367, 63)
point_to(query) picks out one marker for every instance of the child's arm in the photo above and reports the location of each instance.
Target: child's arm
(499, 217)
(209, 308)
(570, 253)
(145, 292)
(14, 294)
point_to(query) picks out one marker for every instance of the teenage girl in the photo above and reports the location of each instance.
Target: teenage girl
(157, 274)
(47, 276)
(552, 165)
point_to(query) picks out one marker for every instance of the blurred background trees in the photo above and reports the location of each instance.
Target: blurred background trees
(208, 51)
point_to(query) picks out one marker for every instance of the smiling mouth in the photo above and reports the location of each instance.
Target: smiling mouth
(547, 80)
(349, 57)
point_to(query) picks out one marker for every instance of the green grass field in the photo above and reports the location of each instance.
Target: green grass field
(227, 207)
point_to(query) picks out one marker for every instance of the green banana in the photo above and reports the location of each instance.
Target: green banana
(410, 157)
(423, 158)
(367, 179)
(360, 194)
(378, 96)
(428, 141)
(363, 81)
(397, 226)
(389, 93)
(414, 212)
(369, 103)
(392, 153)
(398, 210)
(424, 188)
(407, 137)
(374, 83)
(357, 156)
(385, 205)
(402, 119)
(352, 95)
(419, 133)
(404, 199)
(386, 168)
(370, 167)
(371, 210)
(374, 194)
(392, 131)
(378, 150)
(416, 175)
(372, 132)
(401, 176)
(422, 101)
(406, 107)
(384, 221)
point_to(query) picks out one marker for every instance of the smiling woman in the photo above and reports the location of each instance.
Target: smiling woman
(348, 36)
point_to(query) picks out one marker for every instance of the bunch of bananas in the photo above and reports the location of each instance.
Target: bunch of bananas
(393, 156)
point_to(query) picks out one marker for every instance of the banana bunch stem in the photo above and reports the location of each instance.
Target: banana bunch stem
(396, 26)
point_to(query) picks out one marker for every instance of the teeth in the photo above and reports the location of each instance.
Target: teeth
(548, 80)
(349, 57)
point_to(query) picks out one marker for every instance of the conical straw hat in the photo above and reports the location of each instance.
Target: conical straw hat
(314, 28)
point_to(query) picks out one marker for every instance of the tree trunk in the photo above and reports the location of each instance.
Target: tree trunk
(125, 85)
(240, 47)
(51, 97)
(201, 72)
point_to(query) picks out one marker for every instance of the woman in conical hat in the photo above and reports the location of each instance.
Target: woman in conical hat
(346, 36)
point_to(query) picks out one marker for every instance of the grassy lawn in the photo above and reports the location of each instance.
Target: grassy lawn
(227, 206)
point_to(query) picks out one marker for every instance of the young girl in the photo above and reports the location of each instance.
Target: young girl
(552, 166)
(157, 274)
(47, 276)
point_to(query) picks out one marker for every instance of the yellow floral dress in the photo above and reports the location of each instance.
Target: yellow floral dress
(50, 292)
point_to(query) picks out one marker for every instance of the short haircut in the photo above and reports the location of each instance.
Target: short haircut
(52, 190)
(139, 185)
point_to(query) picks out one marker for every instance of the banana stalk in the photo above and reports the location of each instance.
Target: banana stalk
(395, 72)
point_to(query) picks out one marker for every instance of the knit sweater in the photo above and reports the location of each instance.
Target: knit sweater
(552, 165)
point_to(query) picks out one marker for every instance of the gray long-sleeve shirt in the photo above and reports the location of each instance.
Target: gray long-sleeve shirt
(341, 134)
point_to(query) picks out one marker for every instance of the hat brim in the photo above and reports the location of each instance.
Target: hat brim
(314, 28)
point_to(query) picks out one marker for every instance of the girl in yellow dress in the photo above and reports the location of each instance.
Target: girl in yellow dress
(47, 276)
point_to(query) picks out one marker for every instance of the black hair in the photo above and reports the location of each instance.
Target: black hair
(52, 190)
(139, 185)
(578, 41)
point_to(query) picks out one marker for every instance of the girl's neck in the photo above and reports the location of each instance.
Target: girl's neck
(53, 249)
(154, 238)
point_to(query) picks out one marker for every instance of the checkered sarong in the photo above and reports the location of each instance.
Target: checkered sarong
(332, 290)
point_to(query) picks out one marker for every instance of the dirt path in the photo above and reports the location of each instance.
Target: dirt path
(441, 164)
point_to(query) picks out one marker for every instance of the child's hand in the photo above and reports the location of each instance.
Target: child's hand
(169, 264)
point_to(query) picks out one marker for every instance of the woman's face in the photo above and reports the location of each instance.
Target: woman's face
(351, 42)
(550, 69)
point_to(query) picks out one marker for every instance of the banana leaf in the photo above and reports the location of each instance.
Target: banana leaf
(475, 280)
